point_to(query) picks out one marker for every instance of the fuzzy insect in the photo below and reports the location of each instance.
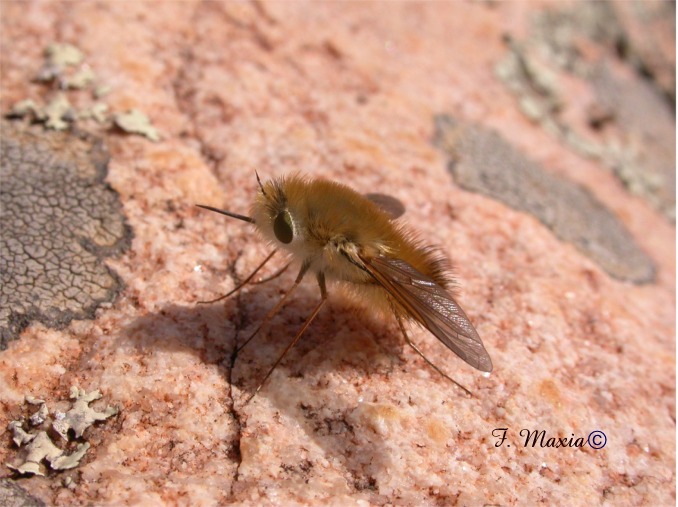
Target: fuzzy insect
(341, 235)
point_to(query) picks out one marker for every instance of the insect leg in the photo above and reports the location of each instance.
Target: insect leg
(323, 298)
(274, 275)
(416, 349)
(243, 283)
(274, 310)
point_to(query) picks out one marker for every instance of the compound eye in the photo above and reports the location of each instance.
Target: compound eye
(282, 227)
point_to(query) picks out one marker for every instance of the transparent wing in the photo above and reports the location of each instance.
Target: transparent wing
(432, 306)
(388, 204)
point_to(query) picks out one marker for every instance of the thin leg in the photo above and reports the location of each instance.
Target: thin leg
(243, 283)
(274, 275)
(323, 298)
(274, 310)
(416, 349)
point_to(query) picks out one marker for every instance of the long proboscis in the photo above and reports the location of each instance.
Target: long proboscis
(227, 213)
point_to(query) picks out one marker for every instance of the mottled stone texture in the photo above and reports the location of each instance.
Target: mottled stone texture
(482, 161)
(350, 91)
(59, 221)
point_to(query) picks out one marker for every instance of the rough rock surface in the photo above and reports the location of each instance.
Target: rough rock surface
(348, 91)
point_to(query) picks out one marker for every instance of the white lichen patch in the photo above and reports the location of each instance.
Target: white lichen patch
(41, 447)
(31, 400)
(37, 446)
(65, 70)
(63, 55)
(68, 461)
(40, 416)
(26, 107)
(97, 112)
(101, 91)
(20, 436)
(57, 58)
(81, 416)
(136, 122)
(57, 113)
(81, 79)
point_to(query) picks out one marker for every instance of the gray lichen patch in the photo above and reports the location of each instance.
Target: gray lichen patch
(627, 124)
(57, 58)
(24, 108)
(81, 416)
(63, 63)
(645, 162)
(36, 446)
(136, 122)
(39, 448)
(64, 69)
(20, 436)
(482, 161)
(81, 79)
(60, 220)
(57, 112)
(97, 112)
(63, 55)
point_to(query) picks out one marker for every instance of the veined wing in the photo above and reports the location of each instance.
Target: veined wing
(432, 306)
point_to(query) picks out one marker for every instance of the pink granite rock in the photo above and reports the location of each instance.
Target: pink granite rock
(352, 416)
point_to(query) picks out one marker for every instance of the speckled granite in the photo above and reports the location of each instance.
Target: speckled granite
(352, 416)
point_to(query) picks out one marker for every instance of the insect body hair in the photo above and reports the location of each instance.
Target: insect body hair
(329, 219)
(331, 223)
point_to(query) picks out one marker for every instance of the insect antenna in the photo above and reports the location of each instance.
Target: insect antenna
(259, 181)
(323, 298)
(227, 213)
(416, 349)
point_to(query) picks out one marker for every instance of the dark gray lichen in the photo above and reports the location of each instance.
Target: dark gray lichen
(645, 163)
(630, 123)
(482, 161)
(13, 495)
(59, 221)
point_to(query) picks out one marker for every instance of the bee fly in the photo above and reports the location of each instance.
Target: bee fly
(338, 234)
